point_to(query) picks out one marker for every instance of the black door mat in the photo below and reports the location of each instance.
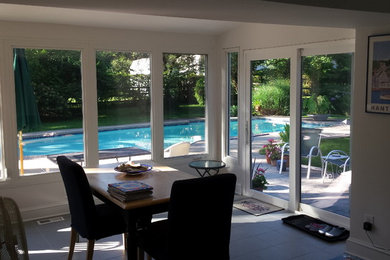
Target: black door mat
(300, 221)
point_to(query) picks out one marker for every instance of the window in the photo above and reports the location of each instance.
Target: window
(326, 99)
(49, 107)
(185, 84)
(123, 86)
(232, 85)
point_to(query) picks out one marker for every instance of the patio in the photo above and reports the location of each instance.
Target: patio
(331, 194)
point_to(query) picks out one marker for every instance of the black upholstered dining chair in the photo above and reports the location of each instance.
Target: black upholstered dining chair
(198, 224)
(88, 220)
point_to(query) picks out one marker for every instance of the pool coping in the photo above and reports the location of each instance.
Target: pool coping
(43, 134)
(53, 133)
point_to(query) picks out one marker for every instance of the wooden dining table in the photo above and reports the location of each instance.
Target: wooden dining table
(160, 178)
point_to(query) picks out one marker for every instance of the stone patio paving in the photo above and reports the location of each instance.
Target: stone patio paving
(331, 194)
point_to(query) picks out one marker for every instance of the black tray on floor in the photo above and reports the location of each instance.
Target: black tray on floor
(300, 221)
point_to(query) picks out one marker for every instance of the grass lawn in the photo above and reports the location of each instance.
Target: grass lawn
(126, 115)
(327, 145)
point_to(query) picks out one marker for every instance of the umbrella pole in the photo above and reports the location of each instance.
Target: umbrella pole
(21, 153)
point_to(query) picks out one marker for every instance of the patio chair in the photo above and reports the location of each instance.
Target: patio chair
(310, 147)
(179, 149)
(336, 158)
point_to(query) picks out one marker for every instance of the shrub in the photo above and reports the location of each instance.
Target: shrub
(200, 91)
(317, 105)
(273, 98)
(233, 110)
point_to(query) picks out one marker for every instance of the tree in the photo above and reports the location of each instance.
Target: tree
(56, 79)
(263, 71)
(115, 80)
(181, 74)
(233, 59)
(328, 76)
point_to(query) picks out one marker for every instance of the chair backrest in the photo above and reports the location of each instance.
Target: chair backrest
(310, 137)
(13, 243)
(199, 217)
(81, 205)
(179, 149)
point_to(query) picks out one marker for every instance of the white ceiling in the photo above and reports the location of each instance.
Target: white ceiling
(201, 16)
(22, 13)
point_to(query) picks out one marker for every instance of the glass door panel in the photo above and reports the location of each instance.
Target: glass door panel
(270, 111)
(325, 132)
(233, 104)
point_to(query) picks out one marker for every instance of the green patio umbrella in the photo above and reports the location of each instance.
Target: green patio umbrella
(26, 106)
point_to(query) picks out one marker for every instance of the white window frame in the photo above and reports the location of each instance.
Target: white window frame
(10, 161)
(225, 101)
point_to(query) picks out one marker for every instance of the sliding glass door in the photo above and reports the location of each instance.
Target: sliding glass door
(325, 132)
(268, 115)
(297, 143)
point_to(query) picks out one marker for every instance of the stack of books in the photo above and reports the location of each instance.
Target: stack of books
(129, 190)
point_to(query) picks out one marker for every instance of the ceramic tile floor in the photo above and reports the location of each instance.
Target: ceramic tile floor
(262, 237)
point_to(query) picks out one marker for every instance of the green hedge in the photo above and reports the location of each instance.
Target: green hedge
(272, 98)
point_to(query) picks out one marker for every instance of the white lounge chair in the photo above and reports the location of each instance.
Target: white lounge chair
(179, 149)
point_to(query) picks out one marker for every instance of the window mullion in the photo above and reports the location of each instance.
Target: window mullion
(89, 94)
(295, 116)
(156, 110)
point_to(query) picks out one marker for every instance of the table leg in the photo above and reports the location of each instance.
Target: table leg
(136, 220)
(201, 175)
(208, 171)
(131, 236)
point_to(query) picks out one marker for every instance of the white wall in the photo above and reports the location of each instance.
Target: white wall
(44, 195)
(370, 191)
(259, 36)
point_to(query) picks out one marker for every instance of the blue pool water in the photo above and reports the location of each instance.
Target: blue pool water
(138, 137)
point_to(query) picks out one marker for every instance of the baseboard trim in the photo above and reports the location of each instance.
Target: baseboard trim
(44, 212)
(364, 250)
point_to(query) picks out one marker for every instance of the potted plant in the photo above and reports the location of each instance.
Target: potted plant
(272, 152)
(259, 181)
(275, 155)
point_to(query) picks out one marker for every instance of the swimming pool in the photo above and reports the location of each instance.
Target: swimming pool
(139, 137)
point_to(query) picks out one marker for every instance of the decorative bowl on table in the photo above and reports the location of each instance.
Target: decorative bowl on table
(133, 169)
